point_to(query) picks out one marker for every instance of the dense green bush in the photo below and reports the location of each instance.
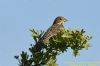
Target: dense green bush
(74, 39)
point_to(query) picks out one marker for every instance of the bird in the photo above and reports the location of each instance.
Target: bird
(56, 27)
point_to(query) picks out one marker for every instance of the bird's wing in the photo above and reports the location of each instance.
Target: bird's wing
(53, 30)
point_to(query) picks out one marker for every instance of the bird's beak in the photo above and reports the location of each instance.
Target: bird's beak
(65, 20)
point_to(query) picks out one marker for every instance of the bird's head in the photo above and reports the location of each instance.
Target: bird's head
(60, 20)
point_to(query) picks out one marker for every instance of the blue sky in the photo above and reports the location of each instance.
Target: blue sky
(18, 16)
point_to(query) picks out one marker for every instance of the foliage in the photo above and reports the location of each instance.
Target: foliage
(74, 39)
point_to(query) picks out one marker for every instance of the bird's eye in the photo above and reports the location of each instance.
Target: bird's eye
(60, 19)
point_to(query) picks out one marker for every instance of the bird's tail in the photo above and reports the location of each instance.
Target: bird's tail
(39, 47)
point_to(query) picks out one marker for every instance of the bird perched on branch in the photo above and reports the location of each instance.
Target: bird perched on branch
(57, 26)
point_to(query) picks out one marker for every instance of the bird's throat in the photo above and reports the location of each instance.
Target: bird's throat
(60, 23)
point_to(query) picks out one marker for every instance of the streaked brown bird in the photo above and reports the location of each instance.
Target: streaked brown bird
(57, 26)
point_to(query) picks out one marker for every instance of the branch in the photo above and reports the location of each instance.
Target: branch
(75, 39)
